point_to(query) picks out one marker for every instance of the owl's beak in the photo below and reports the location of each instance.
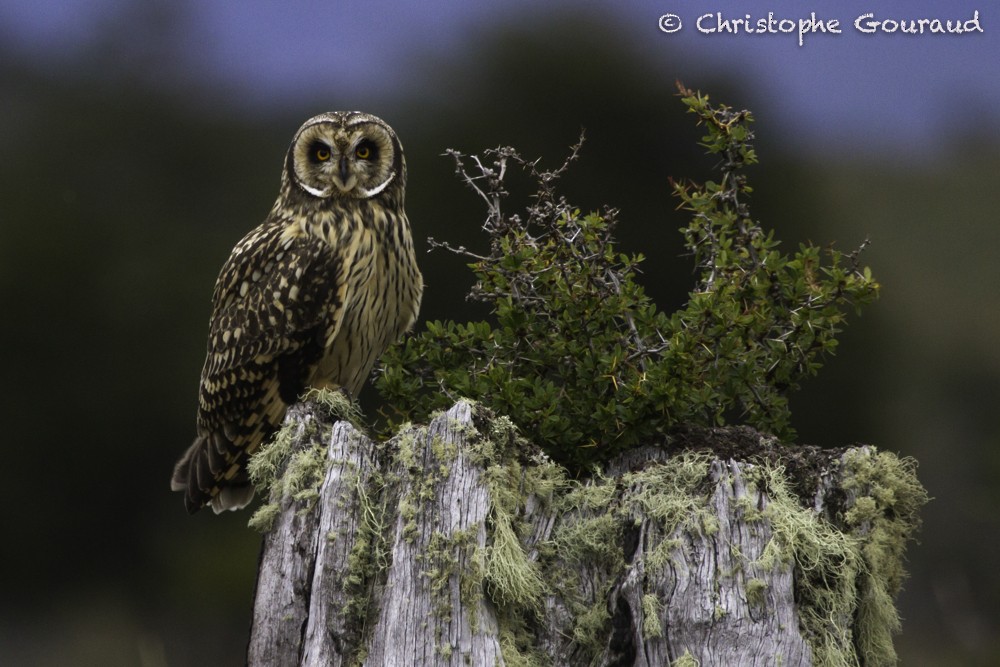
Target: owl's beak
(344, 179)
(342, 169)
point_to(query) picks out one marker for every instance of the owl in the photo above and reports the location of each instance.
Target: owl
(309, 299)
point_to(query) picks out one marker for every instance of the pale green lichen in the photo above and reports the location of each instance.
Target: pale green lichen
(590, 535)
(651, 616)
(584, 558)
(369, 556)
(686, 660)
(281, 471)
(668, 492)
(503, 569)
(511, 576)
(405, 445)
(452, 558)
(755, 589)
(438, 564)
(590, 627)
(266, 463)
(337, 405)
(847, 580)
(591, 540)
(543, 479)
(513, 580)
(887, 509)
(662, 554)
(444, 452)
(504, 439)
(470, 586)
(517, 653)
(709, 524)
(884, 517)
(408, 512)
(264, 517)
(406, 455)
(826, 562)
(747, 508)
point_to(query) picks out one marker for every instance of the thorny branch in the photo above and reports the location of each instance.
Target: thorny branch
(550, 219)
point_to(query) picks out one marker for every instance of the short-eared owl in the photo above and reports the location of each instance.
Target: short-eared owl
(310, 298)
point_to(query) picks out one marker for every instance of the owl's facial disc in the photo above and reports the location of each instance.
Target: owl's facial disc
(331, 160)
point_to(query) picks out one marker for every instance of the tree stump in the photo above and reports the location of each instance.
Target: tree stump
(456, 543)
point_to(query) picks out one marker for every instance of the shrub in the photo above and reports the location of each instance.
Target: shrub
(577, 354)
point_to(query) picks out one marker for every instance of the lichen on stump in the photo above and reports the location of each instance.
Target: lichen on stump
(458, 543)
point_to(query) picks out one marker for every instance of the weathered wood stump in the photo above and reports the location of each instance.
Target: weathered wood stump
(457, 544)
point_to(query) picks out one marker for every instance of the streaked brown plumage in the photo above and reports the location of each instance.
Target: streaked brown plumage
(310, 298)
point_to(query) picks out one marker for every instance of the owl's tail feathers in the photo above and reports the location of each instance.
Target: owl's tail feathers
(207, 474)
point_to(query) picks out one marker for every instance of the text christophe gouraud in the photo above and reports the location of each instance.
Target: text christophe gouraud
(869, 23)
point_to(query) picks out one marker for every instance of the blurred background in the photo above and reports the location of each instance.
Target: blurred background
(141, 140)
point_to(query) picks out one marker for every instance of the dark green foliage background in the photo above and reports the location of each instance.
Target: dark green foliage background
(124, 186)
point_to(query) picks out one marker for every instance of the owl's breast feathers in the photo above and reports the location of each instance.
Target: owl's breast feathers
(296, 305)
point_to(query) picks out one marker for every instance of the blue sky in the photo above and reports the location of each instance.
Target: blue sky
(848, 91)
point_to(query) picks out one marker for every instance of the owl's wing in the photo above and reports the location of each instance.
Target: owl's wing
(278, 298)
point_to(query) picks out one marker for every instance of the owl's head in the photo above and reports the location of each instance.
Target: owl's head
(346, 155)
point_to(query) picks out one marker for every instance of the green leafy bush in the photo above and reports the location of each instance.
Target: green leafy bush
(579, 357)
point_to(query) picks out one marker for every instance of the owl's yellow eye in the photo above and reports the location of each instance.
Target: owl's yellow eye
(366, 150)
(319, 151)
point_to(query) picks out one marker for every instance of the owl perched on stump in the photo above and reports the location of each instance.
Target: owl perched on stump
(310, 298)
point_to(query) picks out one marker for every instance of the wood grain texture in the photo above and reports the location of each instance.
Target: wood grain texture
(385, 566)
